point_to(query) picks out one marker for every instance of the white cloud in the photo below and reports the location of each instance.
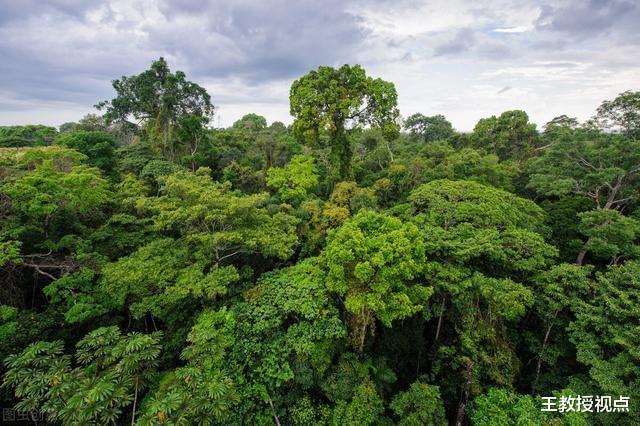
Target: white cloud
(513, 29)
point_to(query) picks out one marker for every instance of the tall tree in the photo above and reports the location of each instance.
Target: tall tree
(604, 168)
(622, 114)
(373, 262)
(158, 99)
(429, 129)
(510, 136)
(335, 101)
(481, 243)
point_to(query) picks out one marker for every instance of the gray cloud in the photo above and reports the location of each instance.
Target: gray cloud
(496, 51)
(461, 42)
(590, 18)
(13, 10)
(62, 54)
(260, 40)
(58, 51)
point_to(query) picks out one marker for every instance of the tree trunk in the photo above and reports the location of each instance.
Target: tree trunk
(444, 299)
(612, 194)
(363, 332)
(275, 415)
(341, 151)
(389, 149)
(583, 253)
(539, 364)
(135, 400)
(464, 400)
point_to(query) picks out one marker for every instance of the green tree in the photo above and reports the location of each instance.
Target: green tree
(31, 135)
(557, 290)
(365, 408)
(198, 392)
(337, 101)
(429, 129)
(159, 99)
(294, 181)
(481, 244)
(192, 137)
(622, 113)
(52, 202)
(97, 146)
(276, 145)
(503, 407)
(606, 336)
(88, 123)
(559, 125)
(510, 136)
(111, 371)
(419, 405)
(603, 168)
(610, 235)
(373, 263)
(203, 226)
(285, 333)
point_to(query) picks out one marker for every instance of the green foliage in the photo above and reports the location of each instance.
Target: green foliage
(622, 113)
(386, 278)
(97, 146)
(429, 129)
(8, 325)
(605, 332)
(293, 181)
(365, 408)
(334, 100)
(610, 235)
(132, 159)
(162, 273)
(509, 136)
(225, 222)
(197, 392)
(502, 407)
(110, 370)
(419, 405)
(480, 242)
(9, 252)
(451, 203)
(22, 136)
(285, 334)
(373, 261)
(163, 101)
(44, 199)
(88, 123)
(604, 168)
(557, 290)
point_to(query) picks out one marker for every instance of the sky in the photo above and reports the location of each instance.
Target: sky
(460, 58)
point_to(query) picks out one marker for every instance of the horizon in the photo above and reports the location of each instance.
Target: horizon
(448, 58)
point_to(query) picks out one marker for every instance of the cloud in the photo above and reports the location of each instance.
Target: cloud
(589, 18)
(511, 30)
(445, 56)
(461, 42)
(258, 40)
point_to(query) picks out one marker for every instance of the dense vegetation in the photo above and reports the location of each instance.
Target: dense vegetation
(351, 268)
